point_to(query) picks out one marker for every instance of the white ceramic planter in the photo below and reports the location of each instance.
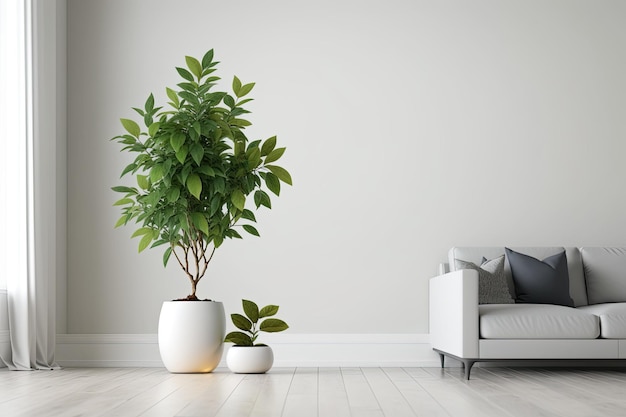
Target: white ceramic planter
(249, 359)
(191, 335)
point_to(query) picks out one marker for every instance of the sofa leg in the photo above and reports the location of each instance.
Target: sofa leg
(442, 358)
(468, 364)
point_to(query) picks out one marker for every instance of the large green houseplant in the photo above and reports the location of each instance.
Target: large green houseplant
(195, 171)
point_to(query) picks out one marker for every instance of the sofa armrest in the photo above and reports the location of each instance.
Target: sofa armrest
(454, 313)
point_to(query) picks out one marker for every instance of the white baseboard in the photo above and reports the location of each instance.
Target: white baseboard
(290, 350)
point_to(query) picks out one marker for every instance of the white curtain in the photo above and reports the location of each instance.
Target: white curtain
(27, 259)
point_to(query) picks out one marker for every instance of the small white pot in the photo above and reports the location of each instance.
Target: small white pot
(191, 335)
(249, 359)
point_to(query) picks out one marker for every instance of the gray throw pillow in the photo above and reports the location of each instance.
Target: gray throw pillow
(540, 282)
(492, 288)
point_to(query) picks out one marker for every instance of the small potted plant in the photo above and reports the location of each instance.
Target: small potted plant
(195, 169)
(246, 356)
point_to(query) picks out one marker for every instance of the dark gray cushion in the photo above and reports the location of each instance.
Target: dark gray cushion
(492, 288)
(540, 282)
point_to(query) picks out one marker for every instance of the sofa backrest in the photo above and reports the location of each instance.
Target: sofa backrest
(605, 273)
(577, 286)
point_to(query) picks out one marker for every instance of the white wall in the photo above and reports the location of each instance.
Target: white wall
(410, 126)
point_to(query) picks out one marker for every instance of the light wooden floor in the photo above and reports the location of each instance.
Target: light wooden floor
(302, 392)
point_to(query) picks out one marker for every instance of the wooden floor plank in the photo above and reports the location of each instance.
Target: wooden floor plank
(362, 400)
(514, 402)
(552, 401)
(333, 398)
(420, 401)
(192, 390)
(273, 395)
(452, 393)
(80, 393)
(323, 392)
(302, 398)
(390, 399)
(241, 401)
(557, 397)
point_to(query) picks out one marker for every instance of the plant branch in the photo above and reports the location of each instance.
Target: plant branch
(184, 268)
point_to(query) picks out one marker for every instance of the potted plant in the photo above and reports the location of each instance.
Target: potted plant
(246, 356)
(195, 171)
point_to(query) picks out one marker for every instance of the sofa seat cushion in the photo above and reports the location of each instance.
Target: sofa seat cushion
(612, 319)
(536, 321)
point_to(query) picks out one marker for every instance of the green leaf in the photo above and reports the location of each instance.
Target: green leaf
(181, 154)
(229, 101)
(194, 65)
(238, 338)
(254, 159)
(149, 106)
(242, 102)
(143, 182)
(159, 243)
(177, 140)
(184, 73)
(207, 59)
(241, 322)
(166, 256)
(274, 155)
(254, 144)
(267, 311)
(268, 146)
(245, 90)
(238, 199)
(190, 97)
(131, 127)
(280, 172)
(273, 325)
(121, 221)
(197, 152)
(197, 127)
(219, 185)
(251, 229)
(172, 96)
(194, 185)
(123, 189)
(240, 122)
(207, 170)
(172, 194)
(200, 222)
(141, 231)
(216, 203)
(123, 202)
(188, 87)
(154, 128)
(157, 172)
(248, 215)
(251, 310)
(145, 241)
(239, 147)
(128, 169)
(236, 86)
(273, 183)
(232, 233)
(262, 199)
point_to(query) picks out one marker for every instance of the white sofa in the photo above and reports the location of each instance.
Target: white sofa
(593, 328)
